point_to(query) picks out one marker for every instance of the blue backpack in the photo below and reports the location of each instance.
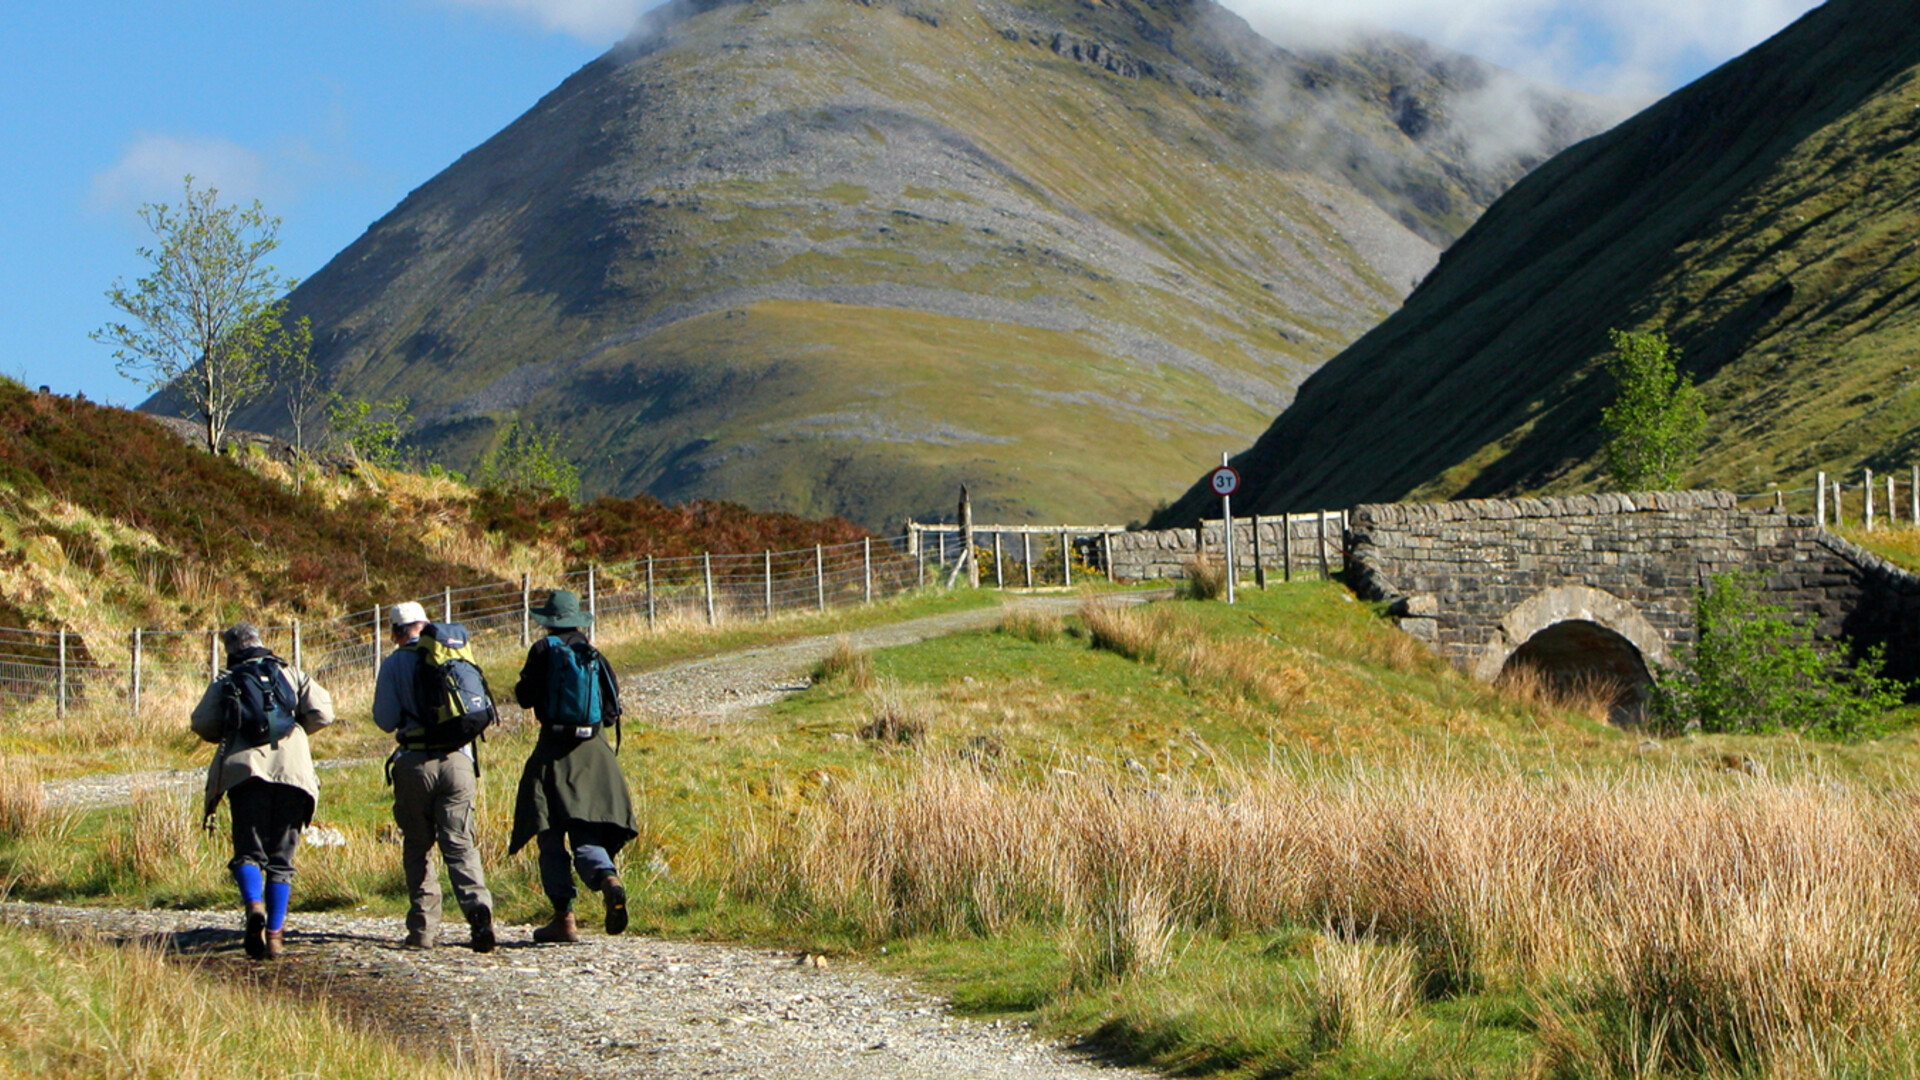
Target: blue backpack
(574, 700)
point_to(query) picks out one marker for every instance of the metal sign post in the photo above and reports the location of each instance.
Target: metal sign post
(1225, 482)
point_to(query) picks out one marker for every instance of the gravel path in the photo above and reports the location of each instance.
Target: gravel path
(608, 1007)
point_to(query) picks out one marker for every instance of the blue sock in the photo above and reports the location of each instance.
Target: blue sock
(247, 875)
(278, 893)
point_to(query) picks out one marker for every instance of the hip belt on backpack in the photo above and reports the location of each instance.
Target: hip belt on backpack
(577, 731)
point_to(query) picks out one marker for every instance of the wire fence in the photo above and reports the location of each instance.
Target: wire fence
(60, 669)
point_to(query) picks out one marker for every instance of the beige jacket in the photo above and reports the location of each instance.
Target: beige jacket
(290, 763)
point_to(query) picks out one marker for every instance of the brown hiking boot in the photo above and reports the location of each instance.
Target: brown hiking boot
(276, 943)
(561, 931)
(419, 939)
(254, 940)
(615, 895)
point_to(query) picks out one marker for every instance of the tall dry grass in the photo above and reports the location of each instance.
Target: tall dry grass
(1590, 694)
(72, 1009)
(1159, 635)
(23, 802)
(1724, 927)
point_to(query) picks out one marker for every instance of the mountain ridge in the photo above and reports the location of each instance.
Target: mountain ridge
(1682, 218)
(826, 257)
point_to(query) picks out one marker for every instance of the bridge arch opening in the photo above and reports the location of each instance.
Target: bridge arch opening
(1581, 661)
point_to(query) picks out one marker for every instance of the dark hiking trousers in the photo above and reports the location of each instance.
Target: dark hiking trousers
(267, 819)
(593, 848)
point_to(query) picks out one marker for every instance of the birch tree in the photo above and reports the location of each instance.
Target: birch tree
(206, 320)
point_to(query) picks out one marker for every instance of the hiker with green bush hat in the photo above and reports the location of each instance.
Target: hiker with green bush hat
(261, 710)
(573, 798)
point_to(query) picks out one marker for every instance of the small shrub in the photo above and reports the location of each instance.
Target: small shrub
(1030, 624)
(1204, 580)
(23, 803)
(1755, 671)
(1128, 932)
(1360, 989)
(845, 663)
(892, 718)
(159, 833)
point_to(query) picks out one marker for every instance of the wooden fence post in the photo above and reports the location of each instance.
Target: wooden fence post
(1106, 555)
(1325, 573)
(60, 709)
(1839, 513)
(1286, 548)
(1867, 487)
(919, 561)
(966, 538)
(767, 603)
(706, 563)
(593, 593)
(376, 642)
(1026, 555)
(135, 672)
(1066, 560)
(866, 567)
(213, 655)
(820, 576)
(526, 610)
(1820, 499)
(1259, 557)
(446, 606)
(651, 610)
(299, 658)
(999, 562)
(1893, 506)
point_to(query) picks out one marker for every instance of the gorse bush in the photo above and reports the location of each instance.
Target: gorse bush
(1755, 671)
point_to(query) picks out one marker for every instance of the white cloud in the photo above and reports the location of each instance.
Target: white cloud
(598, 22)
(152, 169)
(1622, 48)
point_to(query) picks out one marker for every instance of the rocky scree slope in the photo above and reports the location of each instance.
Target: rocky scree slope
(822, 256)
(1764, 215)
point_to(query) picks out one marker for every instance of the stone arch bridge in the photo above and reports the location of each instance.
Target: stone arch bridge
(1604, 584)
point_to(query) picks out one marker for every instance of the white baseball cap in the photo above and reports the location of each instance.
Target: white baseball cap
(408, 613)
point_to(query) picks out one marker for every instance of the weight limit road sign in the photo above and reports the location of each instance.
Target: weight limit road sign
(1225, 480)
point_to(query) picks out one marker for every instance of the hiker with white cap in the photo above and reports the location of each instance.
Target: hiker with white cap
(572, 796)
(435, 777)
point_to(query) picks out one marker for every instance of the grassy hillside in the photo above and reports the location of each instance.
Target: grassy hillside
(1764, 216)
(829, 257)
(108, 521)
(1275, 839)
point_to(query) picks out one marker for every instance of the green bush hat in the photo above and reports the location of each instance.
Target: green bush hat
(562, 611)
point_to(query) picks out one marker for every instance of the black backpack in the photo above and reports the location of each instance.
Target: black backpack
(452, 703)
(258, 705)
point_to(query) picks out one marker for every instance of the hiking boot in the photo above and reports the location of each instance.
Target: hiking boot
(481, 922)
(562, 930)
(615, 895)
(418, 939)
(255, 938)
(276, 944)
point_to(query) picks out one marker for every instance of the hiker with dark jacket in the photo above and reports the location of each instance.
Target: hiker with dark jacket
(266, 777)
(572, 797)
(433, 796)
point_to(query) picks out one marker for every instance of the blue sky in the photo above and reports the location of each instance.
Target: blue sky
(331, 112)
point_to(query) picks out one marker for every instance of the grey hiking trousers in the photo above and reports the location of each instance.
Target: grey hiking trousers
(433, 793)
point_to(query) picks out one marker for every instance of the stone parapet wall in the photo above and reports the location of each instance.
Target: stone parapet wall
(1455, 571)
(1294, 538)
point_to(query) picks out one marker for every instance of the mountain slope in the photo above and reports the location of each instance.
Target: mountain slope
(1764, 215)
(825, 257)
